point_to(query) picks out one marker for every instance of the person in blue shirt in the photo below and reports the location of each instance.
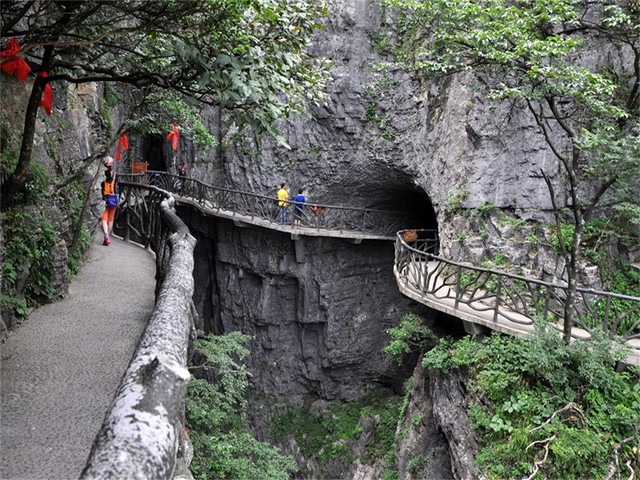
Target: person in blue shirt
(298, 202)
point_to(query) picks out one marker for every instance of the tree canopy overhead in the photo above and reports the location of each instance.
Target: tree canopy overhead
(244, 56)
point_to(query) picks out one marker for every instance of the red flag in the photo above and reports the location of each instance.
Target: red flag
(13, 63)
(122, 143)
(47, 95)
(174, 136)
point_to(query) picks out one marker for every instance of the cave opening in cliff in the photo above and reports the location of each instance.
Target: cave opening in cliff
(152, 152)
(414, 203)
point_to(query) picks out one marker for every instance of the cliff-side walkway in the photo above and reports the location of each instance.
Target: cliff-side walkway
(60, 369)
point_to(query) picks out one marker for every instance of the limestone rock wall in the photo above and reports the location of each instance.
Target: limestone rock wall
(318, 325)
(435, 440)
(385, 139)
(63, 144)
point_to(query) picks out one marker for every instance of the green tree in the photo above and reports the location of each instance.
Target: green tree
(543, 409)
(245, 57)
(216, 414)
(533, 53)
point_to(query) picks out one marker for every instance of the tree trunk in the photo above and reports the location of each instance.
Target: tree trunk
(22, 174)
(572, 275)
(85, 207)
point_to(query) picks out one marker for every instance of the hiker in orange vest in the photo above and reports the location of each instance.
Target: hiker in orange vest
(109, 195)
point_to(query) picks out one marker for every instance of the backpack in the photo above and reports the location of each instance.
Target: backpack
(109, 193)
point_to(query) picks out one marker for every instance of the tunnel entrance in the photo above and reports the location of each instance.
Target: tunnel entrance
(153, 152)
(414, 203)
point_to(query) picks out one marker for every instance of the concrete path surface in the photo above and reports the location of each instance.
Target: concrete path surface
(60, 369)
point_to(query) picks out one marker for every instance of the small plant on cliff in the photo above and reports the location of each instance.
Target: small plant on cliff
(412, 335)
(454, 200)
(546, 409)
(217, 419)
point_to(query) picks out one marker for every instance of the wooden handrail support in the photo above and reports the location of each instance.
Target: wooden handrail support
(143, 436)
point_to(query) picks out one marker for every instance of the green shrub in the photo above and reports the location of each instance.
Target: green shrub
(412, 334)
(454, 200)
(29, 240)
(18, 307)
(541, 394)
(217, 418)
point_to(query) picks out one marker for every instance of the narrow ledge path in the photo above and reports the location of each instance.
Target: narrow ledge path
(60, 369)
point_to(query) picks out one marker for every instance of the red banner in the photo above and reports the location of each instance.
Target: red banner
(12, 63)
(47, 95)
(123, 143)
(174, 136)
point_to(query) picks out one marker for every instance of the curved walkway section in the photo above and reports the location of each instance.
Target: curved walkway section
(61, 368)
(508, 303)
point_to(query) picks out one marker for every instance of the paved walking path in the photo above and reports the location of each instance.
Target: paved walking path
(60, 369)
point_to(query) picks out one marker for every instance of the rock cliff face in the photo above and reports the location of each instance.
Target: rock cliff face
(387, 140)
(383, 140)
(318, 322)
(435, 440)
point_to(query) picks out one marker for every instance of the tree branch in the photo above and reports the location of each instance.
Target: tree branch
(539, 463)
(572, 407)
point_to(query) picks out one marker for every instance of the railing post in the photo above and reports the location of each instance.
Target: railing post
(605, 325)
(459, 285)
(496, 309)
(127, 216)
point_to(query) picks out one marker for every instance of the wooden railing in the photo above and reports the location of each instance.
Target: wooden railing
(252, 205)
(143, 432)
(509, 299)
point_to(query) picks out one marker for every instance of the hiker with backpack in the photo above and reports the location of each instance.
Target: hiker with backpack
(110, 196)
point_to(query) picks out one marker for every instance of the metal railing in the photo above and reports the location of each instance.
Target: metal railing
(505, 296)
(314, 216)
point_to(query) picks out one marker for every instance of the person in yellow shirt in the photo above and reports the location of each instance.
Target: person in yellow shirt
(283, 197)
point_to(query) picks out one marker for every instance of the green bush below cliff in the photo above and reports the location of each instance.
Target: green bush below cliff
(547, 410)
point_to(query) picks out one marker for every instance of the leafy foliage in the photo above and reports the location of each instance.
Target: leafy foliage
(217, 419)
(412, 334)
(242, 55)
(29, 240)
(542, 394)
(245, 57)
(326, 436)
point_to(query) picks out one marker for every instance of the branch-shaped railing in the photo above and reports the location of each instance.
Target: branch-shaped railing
(143, 432)
(508, 298)
(252, 205)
